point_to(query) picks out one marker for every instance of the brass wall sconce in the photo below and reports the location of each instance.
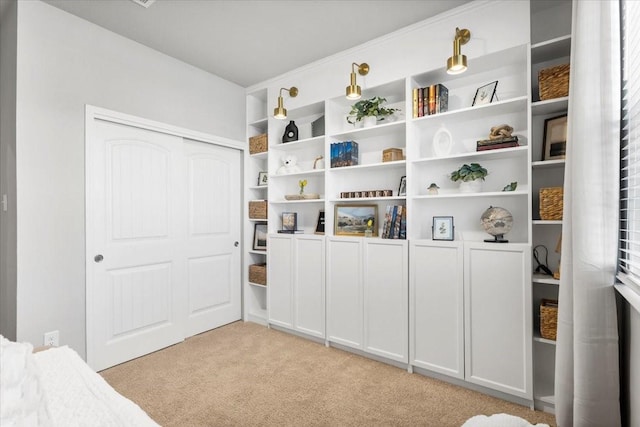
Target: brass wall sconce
(280, 112)
(353, 90)
(458, 63)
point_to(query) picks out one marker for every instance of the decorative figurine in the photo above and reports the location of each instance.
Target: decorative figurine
(290, 132)
(433, 189)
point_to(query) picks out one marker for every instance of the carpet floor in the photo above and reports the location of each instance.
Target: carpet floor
(244, 374)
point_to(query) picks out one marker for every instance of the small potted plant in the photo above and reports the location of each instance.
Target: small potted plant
(470, 177)
(369, 111)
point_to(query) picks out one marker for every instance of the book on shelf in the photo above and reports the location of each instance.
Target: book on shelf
(291, 231)
(494, 141)
(429, 100)
(394, 226)
(344, 153)
(497, 146)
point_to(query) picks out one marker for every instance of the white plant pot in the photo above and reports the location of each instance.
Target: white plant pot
(471, 186)
(369, 121)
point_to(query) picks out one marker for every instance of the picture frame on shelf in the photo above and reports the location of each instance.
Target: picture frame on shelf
(320, 223)
(442, 228)
(289, 221)
(485, 94)
(402, 188)
(263, 179)
(554, 142)
(260, 237)
(353, 219)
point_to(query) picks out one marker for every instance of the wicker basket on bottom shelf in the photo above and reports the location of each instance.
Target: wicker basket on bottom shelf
(551, 203)
(548, 319)
(258, 274)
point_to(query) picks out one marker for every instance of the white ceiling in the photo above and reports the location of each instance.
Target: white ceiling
(250, 41)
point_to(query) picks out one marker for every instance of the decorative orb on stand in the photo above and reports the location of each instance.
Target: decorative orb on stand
(497, 221)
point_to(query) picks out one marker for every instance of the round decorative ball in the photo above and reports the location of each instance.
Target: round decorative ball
(497, 221)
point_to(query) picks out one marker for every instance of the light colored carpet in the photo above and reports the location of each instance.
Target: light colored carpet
(244, 374)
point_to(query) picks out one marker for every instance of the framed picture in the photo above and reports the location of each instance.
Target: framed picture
(554, 144)
(485, 94)
(262, 178)
(289, 221)
(260, 237)
(320, 223)
(442, 228)
(353, 220)
(402, 189)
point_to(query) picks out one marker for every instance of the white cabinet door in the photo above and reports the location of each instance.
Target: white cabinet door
(309, 284)
(344, 291)
(386, 298)
(279, 275)
(498, 317)
(437, 306)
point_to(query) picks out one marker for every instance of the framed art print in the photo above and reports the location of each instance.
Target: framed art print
(352, 220)
(485, 94)
(442, 228)
(555, 138)
(260, 237)
(262, 178)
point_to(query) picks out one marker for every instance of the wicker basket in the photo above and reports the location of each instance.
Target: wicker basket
(548, 319)
(553, 82)
(258, 209)
(258, 274)
(258, 144)
(551, 203)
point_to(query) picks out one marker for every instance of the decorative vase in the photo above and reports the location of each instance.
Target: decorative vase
(290, 132)
(369, 121)
(474, 186)
(442, 142)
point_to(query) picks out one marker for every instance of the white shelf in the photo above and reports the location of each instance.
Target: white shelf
(258, 285)
(257, 220)
(546, 222)
(544, 279)
(259, 123)
(317, 142)
(308, 172)
(499, 154)
(471, 113)
(455, 195)
(377, 130)
(551, 399)
(289, 202)
(551, 49)
(258, 187)
(550, 106)
(381, 165)
(545, 164)
(260, 156)
(366, 199)
(253, 251)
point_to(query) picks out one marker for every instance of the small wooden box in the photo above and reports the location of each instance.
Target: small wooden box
(258, 274)
(258, 209)
(258, 144)
(553, 82)
(392, 154)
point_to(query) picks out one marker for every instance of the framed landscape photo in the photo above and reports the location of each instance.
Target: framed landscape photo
(260, 237)
(262, 178)
(352, 220)
(554, 145)
(442, 228)
(485, 94)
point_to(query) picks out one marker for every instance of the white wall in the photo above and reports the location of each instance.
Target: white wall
(412, 50)
(8, 44)
(64, 63)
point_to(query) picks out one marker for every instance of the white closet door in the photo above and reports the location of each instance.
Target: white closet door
(212, 257)
(163, 219)
(137, 293)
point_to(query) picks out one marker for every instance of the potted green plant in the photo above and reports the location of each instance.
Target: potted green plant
(470, 177)
(369, 108)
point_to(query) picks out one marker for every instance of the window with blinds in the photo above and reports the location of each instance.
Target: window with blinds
(629, 258)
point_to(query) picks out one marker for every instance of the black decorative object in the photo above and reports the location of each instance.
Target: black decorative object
(290, 132)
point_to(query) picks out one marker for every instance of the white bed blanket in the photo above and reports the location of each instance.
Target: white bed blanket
(499, 420)
(77, 396)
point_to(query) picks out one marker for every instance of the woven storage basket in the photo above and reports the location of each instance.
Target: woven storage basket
(258, 209)
(548, 319)
(551, 203)
(258, 144)
(553, 82)
(258, 274)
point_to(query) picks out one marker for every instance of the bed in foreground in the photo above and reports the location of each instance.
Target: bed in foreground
(55, 387)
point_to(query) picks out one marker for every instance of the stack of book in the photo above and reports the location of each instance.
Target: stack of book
(430, 100)
(494, 144)
(344, 153)
(395, 223)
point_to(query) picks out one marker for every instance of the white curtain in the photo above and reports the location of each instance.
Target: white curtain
(586, 375)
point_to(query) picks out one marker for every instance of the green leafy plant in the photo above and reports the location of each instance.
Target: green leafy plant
(468, 173)
(369, 107)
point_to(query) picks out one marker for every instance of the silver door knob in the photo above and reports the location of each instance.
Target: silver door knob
(236, 244)
(98, 258)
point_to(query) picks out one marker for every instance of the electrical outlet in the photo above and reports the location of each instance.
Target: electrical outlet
(52, 339)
